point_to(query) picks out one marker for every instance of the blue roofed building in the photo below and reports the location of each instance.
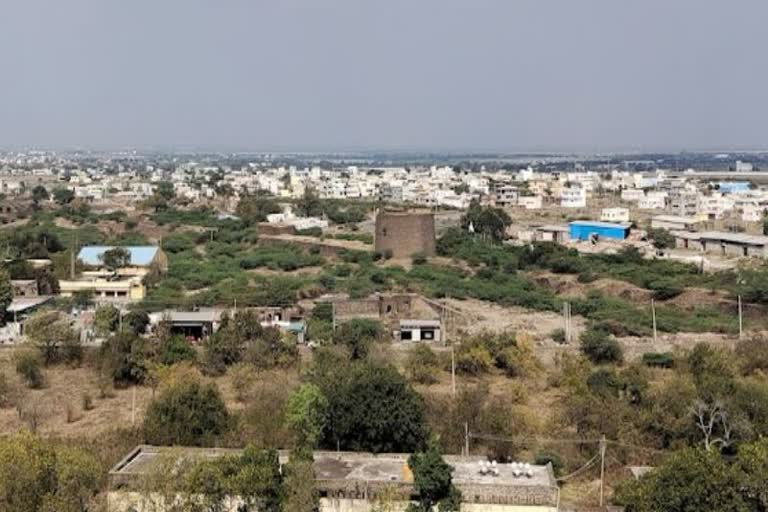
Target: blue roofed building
(733, 187)
(586, 230)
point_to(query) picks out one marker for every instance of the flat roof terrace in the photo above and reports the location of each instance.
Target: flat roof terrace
(361, 475)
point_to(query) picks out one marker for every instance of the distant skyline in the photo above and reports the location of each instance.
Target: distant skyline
(352, 75)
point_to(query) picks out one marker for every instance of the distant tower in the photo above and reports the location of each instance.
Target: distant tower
(404, 234)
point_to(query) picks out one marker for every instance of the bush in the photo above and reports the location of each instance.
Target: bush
(422, 364)
(175, 350)
(659, 359)
(544, 458)
(664, 289)
(558, 335)
(124, 358)
(188, 413)
(5, 391)
(599, 347)
(136, 322)
(419, 258)
(358, 335)
(29, 367)
(473, 360)
(753, 354)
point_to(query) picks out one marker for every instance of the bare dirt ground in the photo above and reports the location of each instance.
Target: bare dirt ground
(568, 284)
(478, 316)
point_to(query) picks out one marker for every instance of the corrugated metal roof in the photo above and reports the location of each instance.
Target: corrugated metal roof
(675, 218)
(141, 256)
(24, 303)
(739, 238)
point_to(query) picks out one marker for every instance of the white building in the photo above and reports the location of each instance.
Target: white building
(653, 201)
(530, 202)
(714, 206)
(573, 197)
(617, 214)
(632, 194)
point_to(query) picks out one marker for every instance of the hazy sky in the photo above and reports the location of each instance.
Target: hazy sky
(412, 74)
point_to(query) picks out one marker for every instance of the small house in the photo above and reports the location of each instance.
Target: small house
(420, 330)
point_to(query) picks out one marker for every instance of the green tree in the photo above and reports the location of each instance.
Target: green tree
(6, 293)
(136, 322)
(28, 366)
(600, 347)
(372, 408)
(36, 476)
(310, 204)
(301, 494)
(306, 414)
(175, 349)
(358, 335)
(255, 208)
(713, 371)
(752, 459)
(432, 479)
(39, 193)
(115, 258)
(422, 364)
(488, 222)
(661, 238)
(52, 334)
(165, 190)
(63, 196)
(106, 319)
(691, 480)
(124, 357)
(188, 413)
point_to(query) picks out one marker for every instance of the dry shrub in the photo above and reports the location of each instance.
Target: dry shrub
(87, 402)
(243, 376)
(262, 422)
(72, 414)
(483, 413)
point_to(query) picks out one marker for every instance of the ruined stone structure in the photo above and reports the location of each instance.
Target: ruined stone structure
(403, 234)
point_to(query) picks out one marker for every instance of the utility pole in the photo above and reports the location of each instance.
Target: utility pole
(72, 260)
(453, 371)
(567, 321)
(466, 439)
(602, 468)
(653, 314)
(741, 320)
(133, 406)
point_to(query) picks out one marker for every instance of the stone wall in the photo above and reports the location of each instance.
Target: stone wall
(404, 234)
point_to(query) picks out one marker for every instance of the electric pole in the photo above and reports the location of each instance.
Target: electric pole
(602, 468)
(741, 320)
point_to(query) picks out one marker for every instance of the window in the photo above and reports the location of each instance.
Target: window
(428, 334)
(406, 335)
(384, 232)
